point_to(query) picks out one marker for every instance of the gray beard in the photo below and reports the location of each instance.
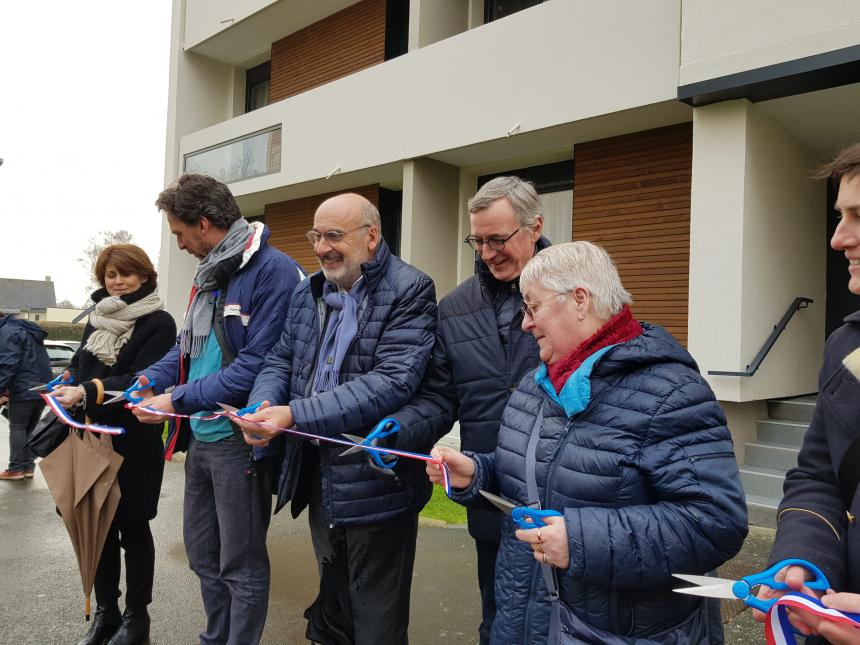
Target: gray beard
(344, 277)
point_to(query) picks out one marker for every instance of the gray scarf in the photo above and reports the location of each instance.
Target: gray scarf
(114, 321)
(213, 272)
(339, 332)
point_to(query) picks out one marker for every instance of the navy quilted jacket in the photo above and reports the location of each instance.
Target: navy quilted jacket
(472, 374)
(380, 373)
(647, 479)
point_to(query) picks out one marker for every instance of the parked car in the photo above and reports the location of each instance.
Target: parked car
(60, 354)
(74, 344)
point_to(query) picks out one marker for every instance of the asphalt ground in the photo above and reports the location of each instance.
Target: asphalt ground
(42, 602)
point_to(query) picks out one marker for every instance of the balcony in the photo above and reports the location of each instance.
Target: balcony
(254, 155)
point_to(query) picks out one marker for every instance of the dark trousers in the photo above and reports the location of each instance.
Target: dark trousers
(136, 540)
(487, 552)
(23, 417)
(228, 504)
(379, 559)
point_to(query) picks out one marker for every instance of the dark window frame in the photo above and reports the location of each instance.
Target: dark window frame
(490, 7)
(254, 77)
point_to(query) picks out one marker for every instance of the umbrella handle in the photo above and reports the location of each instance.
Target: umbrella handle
(87, 609)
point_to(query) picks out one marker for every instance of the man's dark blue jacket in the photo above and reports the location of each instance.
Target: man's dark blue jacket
(646, 477)
(380, 373)
(813, 518)
(24, 361)
(258, 296)
(472, 374)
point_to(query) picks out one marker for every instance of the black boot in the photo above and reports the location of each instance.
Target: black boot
(105, 623)
(134, 629)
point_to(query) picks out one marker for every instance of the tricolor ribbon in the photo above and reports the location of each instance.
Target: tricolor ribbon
(446, 475)
(63, 415)
(778, 629)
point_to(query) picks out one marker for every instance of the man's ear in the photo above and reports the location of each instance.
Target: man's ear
(373, 238)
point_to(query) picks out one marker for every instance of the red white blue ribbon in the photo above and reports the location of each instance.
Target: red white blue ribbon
(63, 415)
(446, 475)
(778, 629)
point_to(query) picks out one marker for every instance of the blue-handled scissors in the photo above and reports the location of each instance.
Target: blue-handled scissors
(251, 409)
(525, 517)
(129, 394)
(743, 588)
(384, 428)
(50, 385)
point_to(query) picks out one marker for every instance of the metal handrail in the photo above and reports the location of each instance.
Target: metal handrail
(799, 303)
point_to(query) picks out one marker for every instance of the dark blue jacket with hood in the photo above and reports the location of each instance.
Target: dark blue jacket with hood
(636, 454)
(24, 362)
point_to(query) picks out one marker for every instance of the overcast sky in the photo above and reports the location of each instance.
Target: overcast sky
(83, 106)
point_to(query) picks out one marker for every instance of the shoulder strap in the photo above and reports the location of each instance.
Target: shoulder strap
(548, 572)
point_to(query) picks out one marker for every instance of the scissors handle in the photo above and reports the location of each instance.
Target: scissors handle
(137, 386)
(531, 518)
(60, 381)
(251, 409)
(743, 587)
(384, 428)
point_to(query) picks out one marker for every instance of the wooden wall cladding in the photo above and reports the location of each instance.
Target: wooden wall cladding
(289, 221)
(631, 196)
(336, 46)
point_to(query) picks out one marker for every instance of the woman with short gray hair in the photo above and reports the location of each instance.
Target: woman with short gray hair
(618, 434)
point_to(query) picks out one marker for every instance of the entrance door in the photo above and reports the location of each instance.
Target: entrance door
(840, 301)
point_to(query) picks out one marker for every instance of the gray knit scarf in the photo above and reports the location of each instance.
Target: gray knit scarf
(114, 321)
(213, 272)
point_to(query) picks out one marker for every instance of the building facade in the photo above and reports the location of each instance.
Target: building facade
(678, 134)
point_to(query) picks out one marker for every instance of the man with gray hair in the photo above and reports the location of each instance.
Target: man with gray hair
(481, 351)
(356, 342)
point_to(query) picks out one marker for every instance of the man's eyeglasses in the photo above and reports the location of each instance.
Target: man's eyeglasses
(495, 243)
(530, 308)
(332, 237)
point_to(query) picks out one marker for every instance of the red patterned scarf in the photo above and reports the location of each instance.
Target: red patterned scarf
(618, 329)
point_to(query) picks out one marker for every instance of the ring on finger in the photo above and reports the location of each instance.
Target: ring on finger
(539, 548)
(545, 559)
(538, 534)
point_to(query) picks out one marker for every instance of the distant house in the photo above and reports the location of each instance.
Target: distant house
(30, 299)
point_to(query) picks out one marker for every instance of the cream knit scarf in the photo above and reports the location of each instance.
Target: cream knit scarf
(114, 320)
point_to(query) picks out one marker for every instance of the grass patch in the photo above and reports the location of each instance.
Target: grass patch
(441, 508)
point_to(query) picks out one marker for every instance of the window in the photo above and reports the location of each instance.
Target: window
(495, 9)
(257, 86)
(250, 156)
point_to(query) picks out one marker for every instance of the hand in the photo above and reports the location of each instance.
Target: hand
(68, 395)
(4, 399)
(461, 467)
(795, 577)
(162, 402)
(549, 542)
(276, 417)
(143, 379)
(833, 632)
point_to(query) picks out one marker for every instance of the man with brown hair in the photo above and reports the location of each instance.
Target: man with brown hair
(816, 516)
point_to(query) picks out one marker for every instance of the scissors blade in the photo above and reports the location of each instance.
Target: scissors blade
(703, 581)
(227, 408)
(499, 502)
(117, 396)
(712, 591)
(356, 440)
(39, 388)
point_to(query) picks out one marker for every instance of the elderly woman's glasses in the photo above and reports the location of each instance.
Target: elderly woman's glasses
(332, 237)
(530, 308)
(495, 243)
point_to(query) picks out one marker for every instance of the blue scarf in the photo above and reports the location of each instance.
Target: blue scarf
(340, 331)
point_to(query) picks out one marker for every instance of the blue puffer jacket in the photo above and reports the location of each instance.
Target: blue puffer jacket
(643, 468)
(24, 361)
(380, 373)
(258, 296)
(472, 374)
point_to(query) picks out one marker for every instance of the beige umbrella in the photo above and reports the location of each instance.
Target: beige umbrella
(81, 475)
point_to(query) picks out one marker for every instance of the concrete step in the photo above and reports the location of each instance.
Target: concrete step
(762, 482)
(798, 408)
(771, 455)
(787, 433)
(762, 510)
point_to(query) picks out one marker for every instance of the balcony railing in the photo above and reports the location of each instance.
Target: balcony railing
(253, 155)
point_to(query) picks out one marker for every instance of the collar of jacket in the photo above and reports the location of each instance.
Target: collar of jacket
(489, 281)
(576, 392)
(372, 271)
(145, 289)
(852, 318)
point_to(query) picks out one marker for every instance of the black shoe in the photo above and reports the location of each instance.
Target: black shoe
(105, 623)
(134, 629)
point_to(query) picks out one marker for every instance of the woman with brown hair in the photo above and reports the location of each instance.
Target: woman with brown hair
(128, 331)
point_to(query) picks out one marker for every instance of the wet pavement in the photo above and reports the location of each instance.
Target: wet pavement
(42, 603)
